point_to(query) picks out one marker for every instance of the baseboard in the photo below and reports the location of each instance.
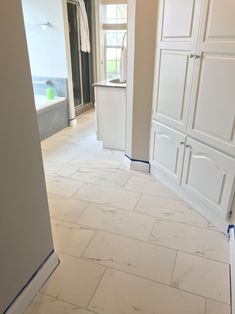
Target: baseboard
(196, 204)
(73, 122)
(23, 300)
(138, 165)
(231, 232)
(81, 109)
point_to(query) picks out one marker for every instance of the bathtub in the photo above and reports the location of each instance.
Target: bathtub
(52, 115)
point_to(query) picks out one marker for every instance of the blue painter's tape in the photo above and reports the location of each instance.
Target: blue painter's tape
(33, 276)
(136, 160)
(230, 227)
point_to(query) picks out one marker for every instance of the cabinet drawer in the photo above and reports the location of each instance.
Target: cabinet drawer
(167, 151)
(209, 176)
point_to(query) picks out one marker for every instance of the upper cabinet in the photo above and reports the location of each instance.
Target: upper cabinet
(177, 37)
(212, 114)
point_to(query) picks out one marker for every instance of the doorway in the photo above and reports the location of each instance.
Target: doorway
(81, 62)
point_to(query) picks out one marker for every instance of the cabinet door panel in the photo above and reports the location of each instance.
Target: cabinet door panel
(212, 114)
(178, 19)
(220, 21)
(174, 88)
(209, 175)
(168, 151)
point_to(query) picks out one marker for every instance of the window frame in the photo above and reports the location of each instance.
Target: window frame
(108, 27)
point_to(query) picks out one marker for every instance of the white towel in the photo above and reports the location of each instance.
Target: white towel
(123, 64)
(84, 27)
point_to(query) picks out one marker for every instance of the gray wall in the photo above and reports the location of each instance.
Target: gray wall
(25, 232)
(142, 21)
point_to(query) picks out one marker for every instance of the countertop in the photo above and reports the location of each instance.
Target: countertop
(108, 83)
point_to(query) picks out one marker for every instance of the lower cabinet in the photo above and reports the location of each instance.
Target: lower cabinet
(197, 170)
(168, 151)
(209, 176)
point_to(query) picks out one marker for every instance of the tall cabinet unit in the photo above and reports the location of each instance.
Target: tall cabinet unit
(193, 121)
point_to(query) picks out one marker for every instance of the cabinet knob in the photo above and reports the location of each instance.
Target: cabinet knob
(195, 56)
(189, 146)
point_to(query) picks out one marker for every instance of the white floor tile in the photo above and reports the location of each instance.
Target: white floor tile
(108, 196)
(133, 256)
(202, 276)
(63, 158)
(198, 241)
(117, 221)
(126, 294)
(128, 207)
(213, 307)
(169, 209)
(69, 238)
(64, 208)
(59, 169)
(102, 177)
(74, 280)
(149, 186)
(62, 186)
(44, 304)
(97, 161)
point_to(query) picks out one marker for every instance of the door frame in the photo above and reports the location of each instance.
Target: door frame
(74, 111)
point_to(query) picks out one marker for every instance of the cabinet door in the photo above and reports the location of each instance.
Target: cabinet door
(111, 117)
(177, 37)
(209, 176)
(212, 114)
(167, 151)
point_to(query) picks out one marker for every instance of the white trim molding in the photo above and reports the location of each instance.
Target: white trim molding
(23, 300)
(138, 165)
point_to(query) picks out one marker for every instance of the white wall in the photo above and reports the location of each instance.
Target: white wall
(47, 50)
(25, 232)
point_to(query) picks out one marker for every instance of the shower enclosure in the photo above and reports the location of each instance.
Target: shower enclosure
(81, 62)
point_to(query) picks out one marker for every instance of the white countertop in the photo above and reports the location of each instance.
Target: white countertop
(108, 83)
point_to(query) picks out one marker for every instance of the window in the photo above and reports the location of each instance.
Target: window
(113, 29)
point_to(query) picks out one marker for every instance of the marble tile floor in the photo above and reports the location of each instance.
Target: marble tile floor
(126, 243)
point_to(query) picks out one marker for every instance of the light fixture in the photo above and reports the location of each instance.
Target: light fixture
(45, 26)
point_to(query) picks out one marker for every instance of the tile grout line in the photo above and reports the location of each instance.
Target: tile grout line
(78, 307)
(97, 286)
(89, 243)
(133, 211)
(107, 267)
(152, 243)
(141, 194)
(176, 257)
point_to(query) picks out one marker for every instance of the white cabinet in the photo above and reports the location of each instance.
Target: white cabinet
(212, 114)
(193, 121)
(209, 175)
(168, 151)
(178, 25)
(111, 115)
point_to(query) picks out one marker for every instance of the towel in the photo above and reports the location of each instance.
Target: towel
(84, 27)
(123, 63)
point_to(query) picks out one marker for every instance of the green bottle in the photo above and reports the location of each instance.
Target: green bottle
(50, 93)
